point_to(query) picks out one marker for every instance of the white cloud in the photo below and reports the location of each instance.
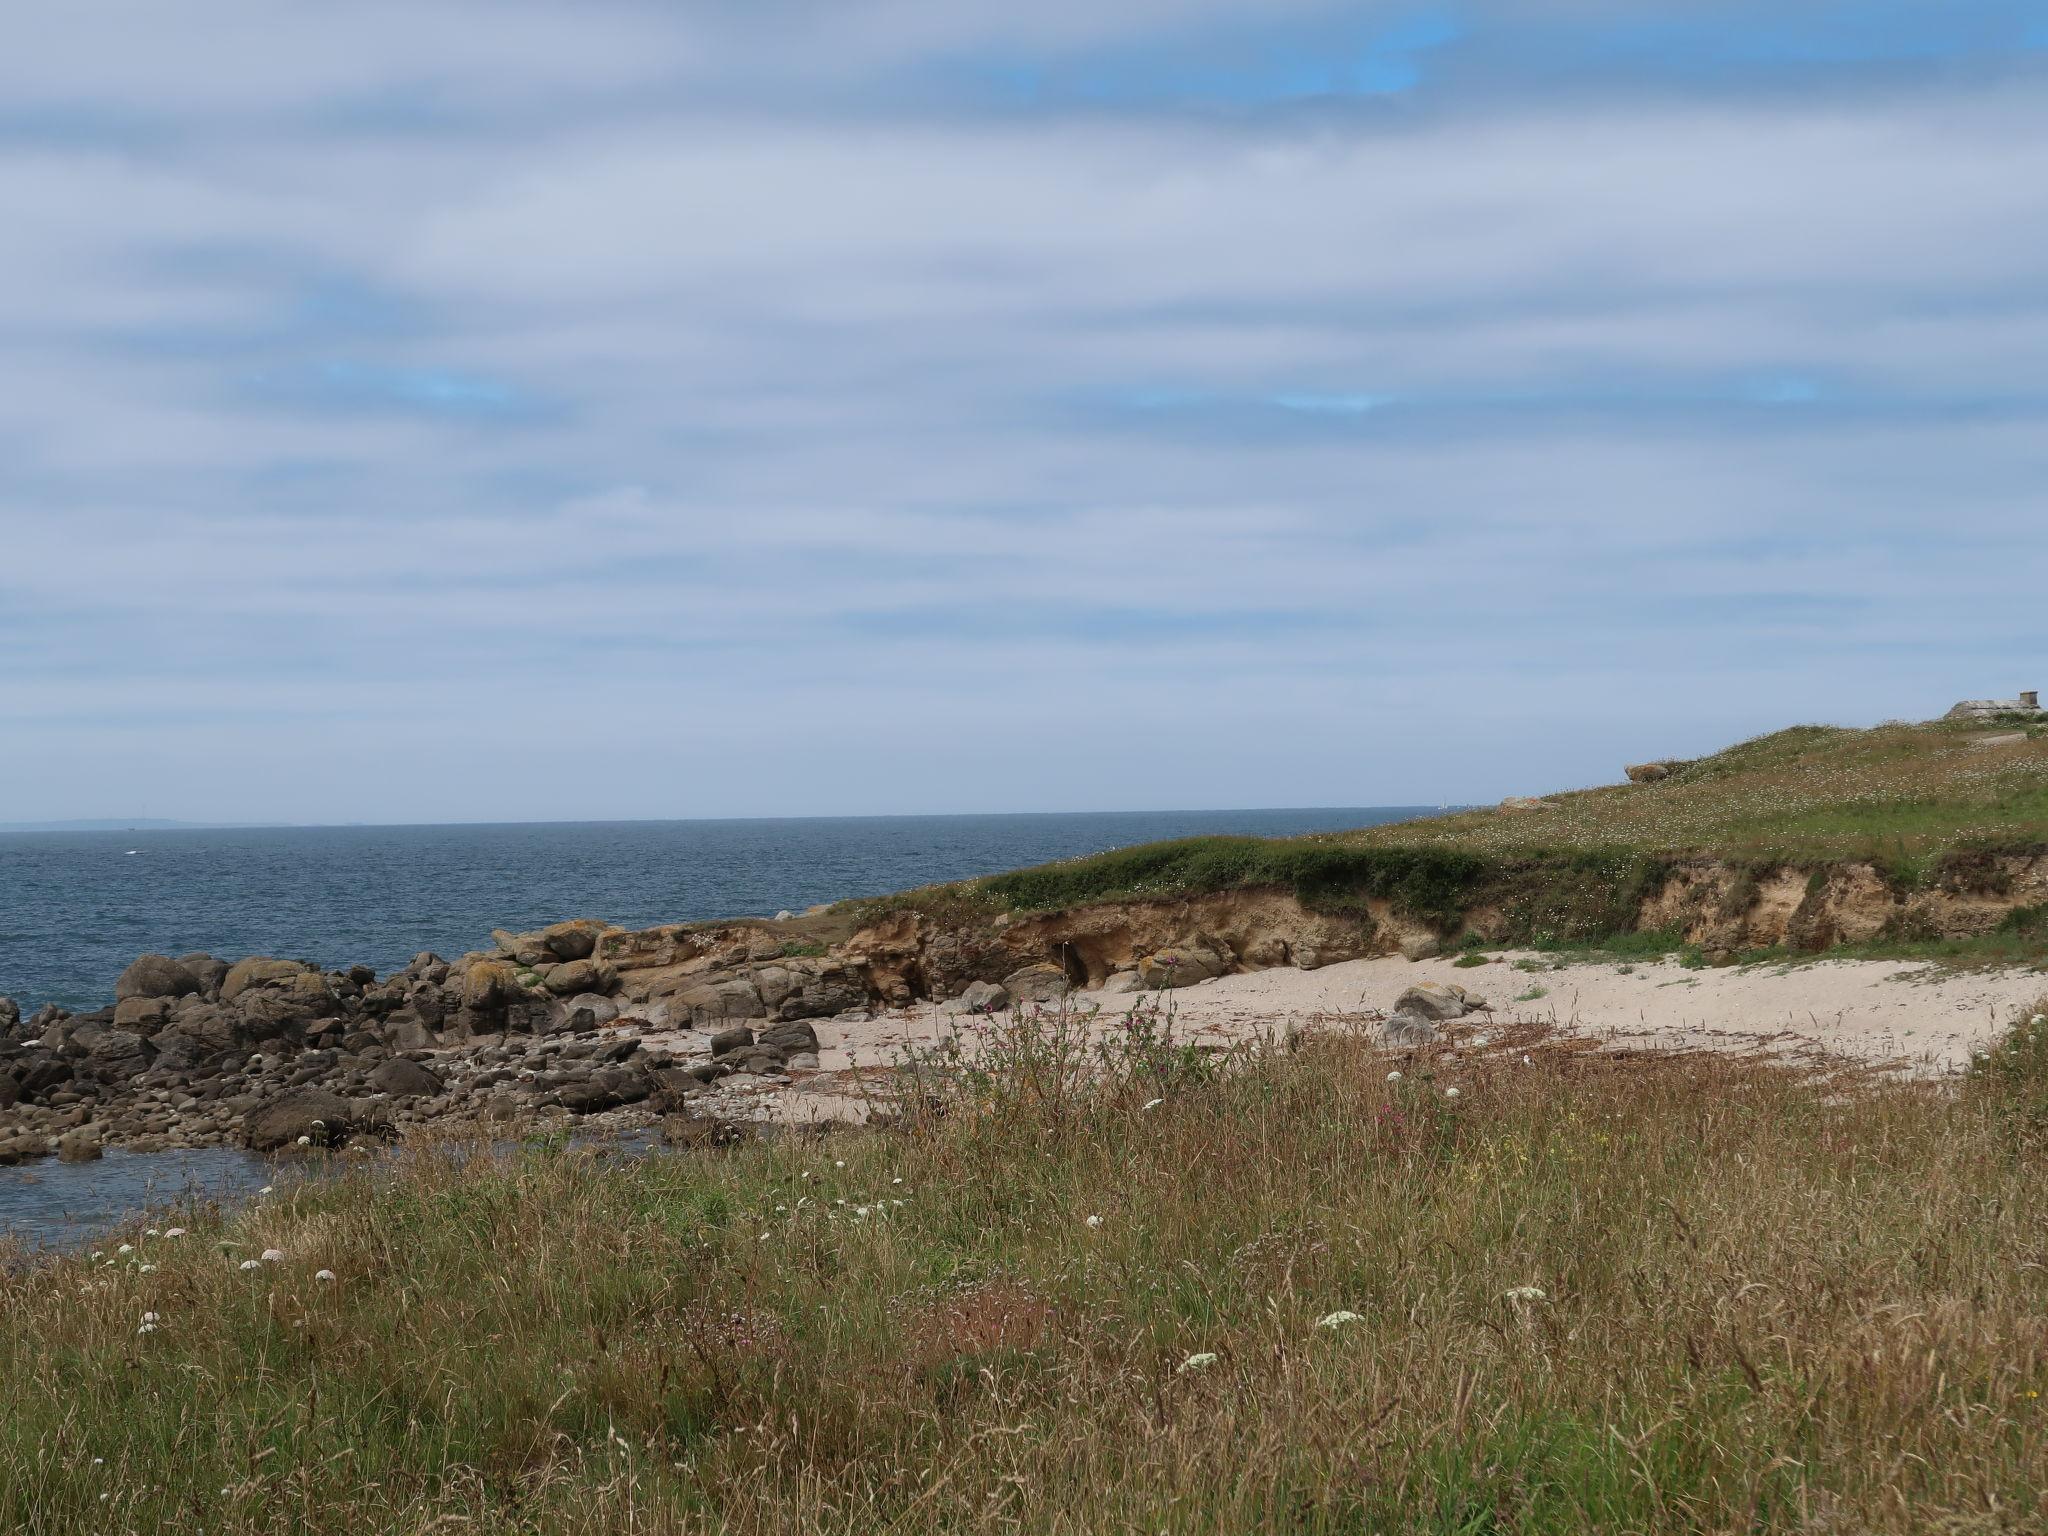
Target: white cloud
(814, 424)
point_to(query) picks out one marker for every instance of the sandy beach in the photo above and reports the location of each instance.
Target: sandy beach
(1915, 1018)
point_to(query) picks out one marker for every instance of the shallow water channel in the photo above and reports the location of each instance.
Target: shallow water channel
(63, 1206)
(67, 1207)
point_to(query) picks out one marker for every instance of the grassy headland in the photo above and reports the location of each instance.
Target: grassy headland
(1917, 803)
(1586, 1293)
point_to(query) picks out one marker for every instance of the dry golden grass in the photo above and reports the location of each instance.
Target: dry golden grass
(1813, 792)
(1591, 1294)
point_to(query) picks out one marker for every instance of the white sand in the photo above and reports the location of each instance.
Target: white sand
(1911, 1017)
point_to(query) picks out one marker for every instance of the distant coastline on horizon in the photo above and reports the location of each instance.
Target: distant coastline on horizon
(150, 824)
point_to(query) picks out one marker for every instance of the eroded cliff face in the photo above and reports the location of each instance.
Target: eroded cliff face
(909, 955)
(1716, 904)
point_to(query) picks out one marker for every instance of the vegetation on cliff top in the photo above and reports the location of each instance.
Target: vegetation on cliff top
(1901, 797)
(1587, 1293)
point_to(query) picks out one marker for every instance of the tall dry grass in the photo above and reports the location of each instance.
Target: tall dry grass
(1591, 1293)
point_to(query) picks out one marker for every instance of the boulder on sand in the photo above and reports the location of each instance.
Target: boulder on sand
(984, 997)
(1405, 1029)
(1183, 965)
(1045, 983)
(1436, 1001)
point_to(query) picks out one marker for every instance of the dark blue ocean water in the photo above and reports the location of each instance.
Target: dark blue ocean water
(76, 907)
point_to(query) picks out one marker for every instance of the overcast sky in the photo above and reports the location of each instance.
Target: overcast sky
(434, 411)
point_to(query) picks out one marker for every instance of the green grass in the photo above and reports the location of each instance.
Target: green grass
(1922, 804)
(1768, 1303)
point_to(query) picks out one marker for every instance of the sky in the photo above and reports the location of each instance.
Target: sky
(428, 411)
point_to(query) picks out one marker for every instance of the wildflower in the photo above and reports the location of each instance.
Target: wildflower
(1525, 1293)
(1339, 1320)
(1394, 1077)
(174, 1232)
(1200, 1362)
(895, 1181)
(1450, 1093)
(249, 1264)
(267, 1189)
(149, 1317)
(273, 1255)
(1480, 1042)
(146, 1328)
(839, 1162)
(1094, 1222)
(305, 1141)
(125, 1249)
(145, 1269)
(97, 1254)
(152, 1232)
(324, 1276)
(1153, 1103)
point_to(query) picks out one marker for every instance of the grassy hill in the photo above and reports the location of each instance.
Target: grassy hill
(1915, 802)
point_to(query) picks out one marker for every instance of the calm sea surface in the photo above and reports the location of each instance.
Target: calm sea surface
(75, 908)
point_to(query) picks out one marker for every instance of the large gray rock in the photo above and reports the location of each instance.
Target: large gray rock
(403, 1079)
(1124, 983)
(10, 1014)
(1406, 1029)
(727, 1041)
(206, 970)
(155, 976)
(205, 1025)
(985, 997)
(575, 940)
(775, 983)
(1437, 1001)
(257, 971)
(80, 1146)
(589, 1010)
(312, 1113)
(728, 997)
(1182, 965)
(605, 1089)
(575, 976)
(146, 1015)
(788, 1038)
(1037, 984)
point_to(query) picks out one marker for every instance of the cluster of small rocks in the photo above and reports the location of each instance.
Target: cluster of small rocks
(274, 1053)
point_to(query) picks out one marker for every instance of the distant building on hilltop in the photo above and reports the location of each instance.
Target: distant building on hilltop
(1988, 709)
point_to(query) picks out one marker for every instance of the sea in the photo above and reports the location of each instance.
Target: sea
(76, 907)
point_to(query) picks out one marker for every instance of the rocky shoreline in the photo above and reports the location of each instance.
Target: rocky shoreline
(713, 1021)
(704, 1024)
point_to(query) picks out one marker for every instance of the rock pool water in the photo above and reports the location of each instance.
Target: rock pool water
(65, 1206)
